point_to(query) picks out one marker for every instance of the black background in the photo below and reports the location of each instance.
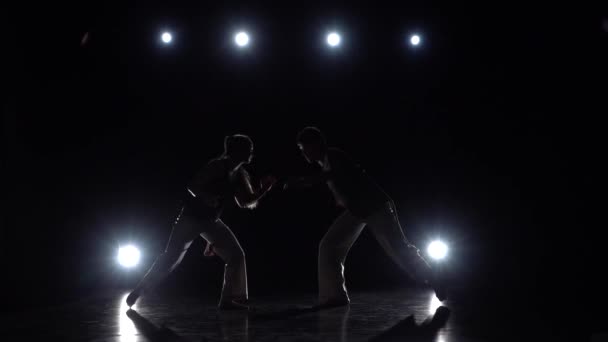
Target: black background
(489, 135)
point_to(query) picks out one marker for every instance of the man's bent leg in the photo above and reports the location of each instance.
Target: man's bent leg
(226, 246)
(333, 250)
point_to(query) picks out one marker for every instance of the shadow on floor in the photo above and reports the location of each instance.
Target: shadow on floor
(407, 328)
(152, 332)
(260, 315)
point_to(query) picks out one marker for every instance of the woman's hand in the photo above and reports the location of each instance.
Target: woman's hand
(268, 182)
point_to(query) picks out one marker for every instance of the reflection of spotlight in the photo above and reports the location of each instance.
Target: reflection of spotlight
(434, 304)
(128, 256)
(437, 250)
(166, 37)
(415, 40)
(333, 39)
(126, 328)
(241, 39)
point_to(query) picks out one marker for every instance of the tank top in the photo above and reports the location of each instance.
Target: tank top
(352, 187)
(215, 182)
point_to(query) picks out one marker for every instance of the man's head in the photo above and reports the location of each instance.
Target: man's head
(239, 148)
(312, 144)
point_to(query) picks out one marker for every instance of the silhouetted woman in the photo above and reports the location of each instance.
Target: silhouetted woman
(222, 180)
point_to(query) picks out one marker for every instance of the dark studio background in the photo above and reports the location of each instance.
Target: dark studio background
(487, 135)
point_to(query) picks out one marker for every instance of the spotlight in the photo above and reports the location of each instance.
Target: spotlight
(241, 39)
(128, 256)
(415, 40)
(166, 37)
(437, 250)
(333, 39)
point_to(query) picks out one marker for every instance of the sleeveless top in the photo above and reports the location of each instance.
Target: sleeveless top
(211, 188)
(352, 187)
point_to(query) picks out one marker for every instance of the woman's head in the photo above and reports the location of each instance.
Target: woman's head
(239, 147)
(312, 144)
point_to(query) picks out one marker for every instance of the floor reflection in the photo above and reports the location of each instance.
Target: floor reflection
(333, 324)
(126, 328)
(434, 304)
(380, 316)
(234, 326)
(151, 332)
(408, 329)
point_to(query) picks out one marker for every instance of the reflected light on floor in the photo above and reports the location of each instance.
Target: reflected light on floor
(126, 328)
(434, 304)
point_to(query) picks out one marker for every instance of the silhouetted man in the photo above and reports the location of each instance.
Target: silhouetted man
(366, 204)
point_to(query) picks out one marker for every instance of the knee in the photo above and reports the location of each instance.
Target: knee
(236, 256)
(324, 248)
(408, 254)
(413, 250)
(415, 258)
(169, 255)
(240, 255)
(169, 259)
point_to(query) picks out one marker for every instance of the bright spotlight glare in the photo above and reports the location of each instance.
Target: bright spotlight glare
(166, 37)
(437, 250)
(333, 39)
(434, 304)
(415, 40)
(126, 327)
(128, 256)
(241, 39)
